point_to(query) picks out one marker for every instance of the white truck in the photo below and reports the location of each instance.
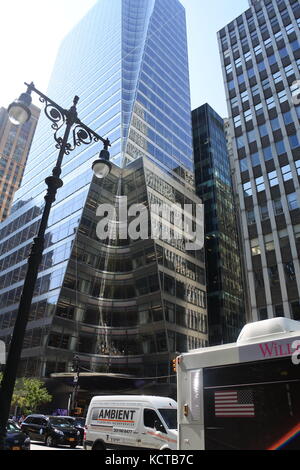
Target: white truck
(245, 395)
(125, 422)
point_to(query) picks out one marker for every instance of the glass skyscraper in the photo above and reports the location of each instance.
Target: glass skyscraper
(225, 284)
(260, 52)
(122, 305)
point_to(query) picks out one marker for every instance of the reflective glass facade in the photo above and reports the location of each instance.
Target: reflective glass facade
(225, 292)
(114, 305)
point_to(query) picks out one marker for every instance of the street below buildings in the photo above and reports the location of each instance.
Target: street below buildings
(41, 446)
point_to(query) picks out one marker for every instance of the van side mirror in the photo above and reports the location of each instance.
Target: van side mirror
(159, 426)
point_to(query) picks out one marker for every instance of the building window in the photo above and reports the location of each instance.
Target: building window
(275, 124)
(263, 313)
(255, 90)
(250, 217)
(234, 102)
(289, 270)
(248, 115)
(240, 142)
(278, 311)
(251, 135)
(264, 213)
(292, 201)
(294, 142)
(259, 109)
(244, 97)
(255, 159)
(273, 275)
(267, 151)
(282, 96)
(295, 45)
(247, 189)
(255, 248)
(289, 29)
(287, 117)
(228, 69)
(286, 173)
(237, 121)
(289, 70)
(269, 242)
(273, 180)
(243, 165)
(295, 308)
(271, 103)
(277, 77)
(268, 43)
(277, 204)
(260, 184)
(280, 148)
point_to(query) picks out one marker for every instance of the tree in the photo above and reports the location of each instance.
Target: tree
(29, 394)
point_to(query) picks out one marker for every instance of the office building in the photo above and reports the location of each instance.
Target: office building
(122, 306)
(15, 144)
(225, 289)
(260, 54)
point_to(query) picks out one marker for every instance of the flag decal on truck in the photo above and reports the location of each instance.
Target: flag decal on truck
(234, 404)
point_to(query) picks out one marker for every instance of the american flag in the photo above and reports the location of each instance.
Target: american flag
(234, 404)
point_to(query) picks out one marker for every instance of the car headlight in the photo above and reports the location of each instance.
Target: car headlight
(57, 431)
(78, 433)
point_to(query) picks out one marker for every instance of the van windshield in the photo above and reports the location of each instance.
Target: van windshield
(170, 417)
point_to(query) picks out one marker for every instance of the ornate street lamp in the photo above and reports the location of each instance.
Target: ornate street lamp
(19, 113)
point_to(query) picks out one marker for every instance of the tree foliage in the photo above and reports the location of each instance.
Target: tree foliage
(29, 394)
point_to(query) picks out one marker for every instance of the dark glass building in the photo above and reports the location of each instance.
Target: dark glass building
(225, 292)
(260, 53)
(121, 305)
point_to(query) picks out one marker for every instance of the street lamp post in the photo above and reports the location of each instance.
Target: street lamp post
(19, 113)
(76, 368)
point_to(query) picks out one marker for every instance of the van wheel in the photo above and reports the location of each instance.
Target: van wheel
(98, 446)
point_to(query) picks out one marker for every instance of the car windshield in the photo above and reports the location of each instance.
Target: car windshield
(80, 421)
(170, 417)
(12, 427)
(61, 422)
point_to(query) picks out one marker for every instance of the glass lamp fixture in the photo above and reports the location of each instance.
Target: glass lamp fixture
(102, 166)
(18, 111)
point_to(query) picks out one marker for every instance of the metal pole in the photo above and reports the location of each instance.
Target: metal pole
(11, 368)
(81, 134)
(34, 260)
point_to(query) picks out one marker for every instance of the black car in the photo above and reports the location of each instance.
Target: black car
(79, 424)
(15, 438)
(52, 430)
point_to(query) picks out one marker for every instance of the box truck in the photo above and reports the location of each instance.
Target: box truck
(244, 395)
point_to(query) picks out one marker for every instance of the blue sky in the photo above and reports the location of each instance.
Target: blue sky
(32, 30)
(204, 19)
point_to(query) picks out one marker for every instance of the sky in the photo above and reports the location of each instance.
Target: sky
(32, 30)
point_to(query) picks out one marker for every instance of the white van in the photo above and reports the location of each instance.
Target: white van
(131, 422)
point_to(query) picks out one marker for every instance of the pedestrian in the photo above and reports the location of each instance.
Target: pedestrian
(21, 419)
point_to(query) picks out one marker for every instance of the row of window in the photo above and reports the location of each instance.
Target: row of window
(278, 311)
(268, 240)
(260, 185)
